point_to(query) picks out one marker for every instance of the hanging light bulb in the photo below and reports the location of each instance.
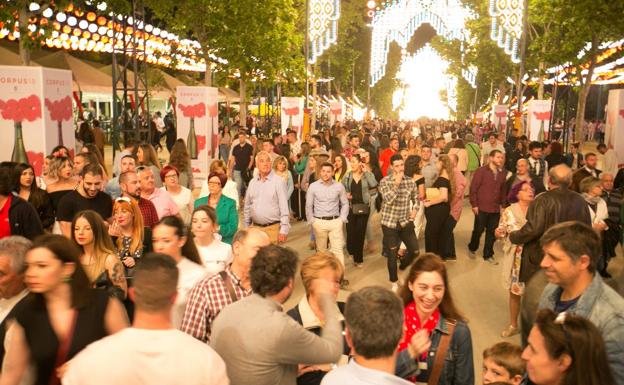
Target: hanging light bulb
(34, 7)
(47, 13)
(61, 17)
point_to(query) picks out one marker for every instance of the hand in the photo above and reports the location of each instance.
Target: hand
(281, 238)
(500, 232)
(397, 178)
(413, 214)
(129, 262)
(599, 226)
(475, 210)
(349, 196)
(419, 344)
(114, 230)
(427, 203)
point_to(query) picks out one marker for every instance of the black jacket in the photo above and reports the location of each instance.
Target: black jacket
(23, 219)
(548, 209)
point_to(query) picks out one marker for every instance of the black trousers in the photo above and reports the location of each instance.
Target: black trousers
(435, 230)
(356, 232)
(392, 239)
(487, 222)
(449, 247)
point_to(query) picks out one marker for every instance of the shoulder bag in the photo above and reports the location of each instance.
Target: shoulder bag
(228, 285)
(438, 363)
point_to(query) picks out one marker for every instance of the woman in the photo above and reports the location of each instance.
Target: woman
(85, 133)
(146, 156)
(280, 168)
(61, 169)
(225, 140)
(358, 184)
(297, 202)
(181, 160)
(227, 216)
(556, 156)
(317, 267)
(412, 170)
(566, 349)
(61, 315)
(591, 190)
(131, 238)
(429, 308)
(171, 238)
(214, 253)
(229, 190)
(340, 167)
(412, 148)
(45, 179)
(182, 196)
(437, 206)
(512, 219)
(27, 190)
(98, 259)
(459, 149)
(575, 158)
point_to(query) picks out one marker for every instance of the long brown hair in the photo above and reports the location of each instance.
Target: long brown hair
(189, 250)
(448, 167)
(150, 158)
(102, 243)
(427, 263)
(582, 341)
(180, 157)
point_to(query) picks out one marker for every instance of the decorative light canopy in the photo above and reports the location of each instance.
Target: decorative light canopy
(399, 21)
(507, 25)
(322, 26)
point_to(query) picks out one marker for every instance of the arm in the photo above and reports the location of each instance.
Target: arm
(31, 224)
(464, 365)
(115, 318)
(283, 207)
(344, 204)
(389, 191)
(443, 197)
(115, 273)
(66, 228)
(290, 185)
(247, 207)
(197, 313)
(370, 179)
(17, 355)
(474, 187)
(228, 229)
(47, 215)
(533, 228)
(309, 206)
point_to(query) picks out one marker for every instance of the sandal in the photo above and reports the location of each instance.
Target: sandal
(510, 331)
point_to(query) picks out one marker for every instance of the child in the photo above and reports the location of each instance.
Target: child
(502, 362)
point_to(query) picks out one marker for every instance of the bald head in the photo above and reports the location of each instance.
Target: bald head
(560, 176)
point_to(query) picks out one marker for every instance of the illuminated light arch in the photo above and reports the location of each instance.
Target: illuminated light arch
(322, 26)
(507, 25)
(399, 21)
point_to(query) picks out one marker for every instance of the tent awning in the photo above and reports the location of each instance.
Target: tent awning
(86, 78)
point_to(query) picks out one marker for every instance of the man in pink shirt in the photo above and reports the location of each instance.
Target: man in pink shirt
(457, 205)
(165, 206)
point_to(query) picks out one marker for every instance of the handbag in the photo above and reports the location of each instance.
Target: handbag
(438, 363)
(360, 209)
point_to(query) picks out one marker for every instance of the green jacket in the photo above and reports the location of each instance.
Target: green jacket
(227, 216)
(474, 156)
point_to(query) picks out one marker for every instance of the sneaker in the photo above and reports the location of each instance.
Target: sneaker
(491, 261)
(510, 331)
(395, 287)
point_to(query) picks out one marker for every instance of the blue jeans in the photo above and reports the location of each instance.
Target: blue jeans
(225, 152)
(238, 178)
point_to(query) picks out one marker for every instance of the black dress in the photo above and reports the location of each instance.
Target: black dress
(437, 215)
(356, 224)
(56, 197)
(32, 315)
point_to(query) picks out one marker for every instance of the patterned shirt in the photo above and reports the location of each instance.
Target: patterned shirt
(396, 201)
(206, 301)
(148, 210)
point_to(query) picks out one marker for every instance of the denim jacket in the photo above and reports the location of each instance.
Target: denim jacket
(368, 182)
(458, 367)
(604, 307)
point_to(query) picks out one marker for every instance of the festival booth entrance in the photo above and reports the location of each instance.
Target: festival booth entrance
(614, 127)
(35, 113)
(538, 119)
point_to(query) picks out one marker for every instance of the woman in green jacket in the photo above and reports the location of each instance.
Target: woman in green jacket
(227, 216)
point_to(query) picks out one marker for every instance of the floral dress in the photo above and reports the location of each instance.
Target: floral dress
(512, 219)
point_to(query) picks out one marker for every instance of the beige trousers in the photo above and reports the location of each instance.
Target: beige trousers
(332, 231)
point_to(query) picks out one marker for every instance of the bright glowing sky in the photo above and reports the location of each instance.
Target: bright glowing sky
(423, 77)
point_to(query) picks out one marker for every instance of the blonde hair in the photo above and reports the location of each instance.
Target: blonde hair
(137, 223)
(313, 265)
(217, 163)
(507, 355)
(280, 158)
(56, 164)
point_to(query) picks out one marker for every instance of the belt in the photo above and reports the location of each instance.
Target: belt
(266, 224)
(328, 218)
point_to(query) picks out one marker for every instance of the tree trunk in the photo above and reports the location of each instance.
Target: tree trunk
(502, 91)
(24, 49)
(243, 102)
(208, 76)
(584, 91)
(540, 81)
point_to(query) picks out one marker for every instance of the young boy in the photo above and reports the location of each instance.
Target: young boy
(502, 362)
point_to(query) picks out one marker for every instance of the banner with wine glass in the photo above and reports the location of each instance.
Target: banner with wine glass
(336, 111)
(292, 114)
(36, 113)
(197, 115)
(499, 116)
(614, 126)
(539, 119)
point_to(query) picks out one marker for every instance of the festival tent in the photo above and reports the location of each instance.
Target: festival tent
(10, 58)
(86, 78)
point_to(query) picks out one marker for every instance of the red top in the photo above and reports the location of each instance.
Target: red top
(5, 226)
(384, 160)
(150, 215)
(412, 325)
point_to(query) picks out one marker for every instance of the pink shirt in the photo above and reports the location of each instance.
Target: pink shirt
(458, 199)
(163, 202)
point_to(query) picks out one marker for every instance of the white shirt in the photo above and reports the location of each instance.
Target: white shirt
(354, 374)
(610, 162)
(7, 304)
(229, 190)
(145, 357)
(189, 274)
(215, 256)
(184, 201)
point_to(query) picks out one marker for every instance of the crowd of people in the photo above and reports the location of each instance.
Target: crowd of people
(139, 274)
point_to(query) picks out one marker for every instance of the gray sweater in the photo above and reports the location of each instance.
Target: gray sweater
(262, 345)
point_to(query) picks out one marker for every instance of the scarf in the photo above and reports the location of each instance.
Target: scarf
(412, 325)
(591, 199)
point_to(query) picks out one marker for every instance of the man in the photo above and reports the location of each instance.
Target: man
(457, 204)
(558, 204)
(353, 146)
(474, 158)
(611, 236)
(610, 162)
(131, 188)
(259, 342)
(152, 351)
(266, 201)
(371, 311)
(12, 286)
(398, 193)
(242, 162)
(487, 147)
(98, 136)
(269, 147)
(159, 124)
(164, 204)
(295, 144)
(316, 146)
(438, 147)
(17, 217)
(88, 196)
(523, 174)
(487, 192)
(429, 169)
(386, 155)
(571, 252)
(538, 167)
(588, 170)
(212, 294)
(327, 208)
(128, 163)
(81, 159)
(129, 148)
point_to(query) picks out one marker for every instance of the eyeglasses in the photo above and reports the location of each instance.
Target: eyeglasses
(214, 183)
(171, 176)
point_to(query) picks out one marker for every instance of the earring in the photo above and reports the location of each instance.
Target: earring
(67, 279)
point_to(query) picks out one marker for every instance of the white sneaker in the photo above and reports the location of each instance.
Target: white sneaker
(395, 287)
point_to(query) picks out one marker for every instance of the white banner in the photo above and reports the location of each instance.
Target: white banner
(197, 120)
(499, 116)
(539, 119)
(615, 123)
(36, 113)
(292, 114)
(336, 112)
